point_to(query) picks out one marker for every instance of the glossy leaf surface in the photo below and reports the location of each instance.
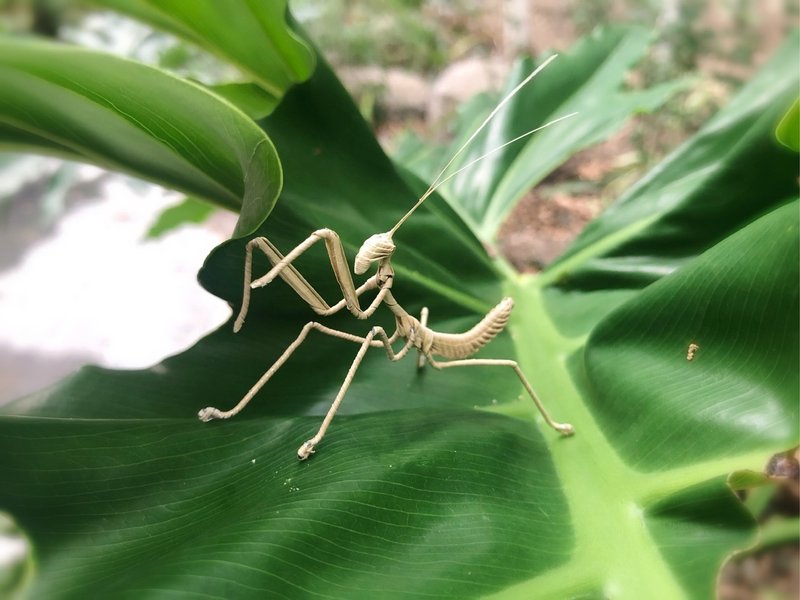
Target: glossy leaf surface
(91, 107)
(250, 34)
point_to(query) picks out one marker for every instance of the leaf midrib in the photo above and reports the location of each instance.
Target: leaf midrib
(620, 492)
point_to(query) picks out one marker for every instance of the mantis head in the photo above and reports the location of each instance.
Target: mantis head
(378, 247)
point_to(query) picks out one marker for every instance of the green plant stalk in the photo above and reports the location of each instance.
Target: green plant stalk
(778, 531)
(592, 471)
(598, 479)
(597, 249)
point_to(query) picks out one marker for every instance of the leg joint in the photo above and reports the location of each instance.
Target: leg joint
(325, 233)
(255, 242)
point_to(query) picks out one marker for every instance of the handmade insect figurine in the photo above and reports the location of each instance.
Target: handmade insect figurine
(379, 248)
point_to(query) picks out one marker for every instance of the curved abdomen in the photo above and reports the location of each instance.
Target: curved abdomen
(463, 345)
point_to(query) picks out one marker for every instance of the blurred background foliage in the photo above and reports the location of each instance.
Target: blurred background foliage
(408, 44)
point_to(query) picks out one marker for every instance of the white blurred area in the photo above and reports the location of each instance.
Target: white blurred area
(94, 290)
(87, 287)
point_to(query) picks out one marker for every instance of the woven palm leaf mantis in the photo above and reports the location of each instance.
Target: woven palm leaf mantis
(456, 349)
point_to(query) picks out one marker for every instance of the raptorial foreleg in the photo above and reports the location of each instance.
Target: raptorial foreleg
(282, 267)
(563, 428)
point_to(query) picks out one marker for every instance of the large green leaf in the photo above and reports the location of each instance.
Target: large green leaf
(698, 195)
(587, 80)
(433, 484)
(250, 34)
(721, 302)
(121, 115)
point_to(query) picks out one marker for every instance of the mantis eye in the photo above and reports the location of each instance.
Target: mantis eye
(377, 247)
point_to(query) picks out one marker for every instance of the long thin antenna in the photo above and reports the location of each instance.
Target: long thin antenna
(493, 150)
(436, 183)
